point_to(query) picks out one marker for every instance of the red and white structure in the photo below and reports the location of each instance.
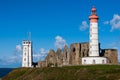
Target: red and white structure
(94, 42)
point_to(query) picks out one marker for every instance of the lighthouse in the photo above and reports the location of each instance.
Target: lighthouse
(27, 53)
(93, 43)
(93, 57)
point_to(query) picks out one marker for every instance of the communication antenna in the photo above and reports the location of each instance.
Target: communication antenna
(29, 36)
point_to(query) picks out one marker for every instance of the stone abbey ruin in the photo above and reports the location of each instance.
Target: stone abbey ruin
(73, 56)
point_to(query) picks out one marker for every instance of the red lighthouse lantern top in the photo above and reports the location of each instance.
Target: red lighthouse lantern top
(93, 17)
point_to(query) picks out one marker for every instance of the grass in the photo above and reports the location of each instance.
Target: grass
(88, 72)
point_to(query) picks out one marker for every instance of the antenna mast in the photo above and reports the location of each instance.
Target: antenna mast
(29, 36)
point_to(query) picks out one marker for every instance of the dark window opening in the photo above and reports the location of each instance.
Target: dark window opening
(73, 49)
(24, 59)
(94, 62)
(66, 54)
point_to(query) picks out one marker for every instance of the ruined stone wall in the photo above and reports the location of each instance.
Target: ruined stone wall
(59, 56)
(42, 64)
(111, 55)
(66, 55)
(51, 58)
(75, 58)
(75, 54)
(77, 51)
(84, 49)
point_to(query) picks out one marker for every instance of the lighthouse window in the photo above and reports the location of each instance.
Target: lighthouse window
(90, 40)
(25, 53)
(84, 60)
(93, 61)
(90, 35)
(24, 59)
(103, 61)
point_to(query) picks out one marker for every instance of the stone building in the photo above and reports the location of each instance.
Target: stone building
(74, 55)
(51, 58)
(77, 51)
(66, 55)
(59, 56)
(111, 55)
(42, 64)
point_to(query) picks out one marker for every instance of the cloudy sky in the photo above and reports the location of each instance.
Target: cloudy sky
(53, 23)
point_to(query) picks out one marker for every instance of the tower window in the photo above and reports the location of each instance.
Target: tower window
(103, 61)
(94, 62)
(24, 59)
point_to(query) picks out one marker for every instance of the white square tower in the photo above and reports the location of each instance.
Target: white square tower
(27, 53)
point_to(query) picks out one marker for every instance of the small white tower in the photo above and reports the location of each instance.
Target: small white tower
(27, 53)
(94, 43)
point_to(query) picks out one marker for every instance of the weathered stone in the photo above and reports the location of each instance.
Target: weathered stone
(84, 49)
(42, 64)
(66, 56)
(111, 55)
(75, 54)
(75, 58)
(51, 59)
(59, 57)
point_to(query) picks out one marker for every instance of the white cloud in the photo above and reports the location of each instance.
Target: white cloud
(14, 58)
(84, 25)
(106, 22)
(60, 42)
(8, 60)
(18, 48)
(43, 51)
(41, 55)
(114, 22)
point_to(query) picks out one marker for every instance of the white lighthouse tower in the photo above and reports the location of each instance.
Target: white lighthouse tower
(94, 43)
(94, 57)
(27, 53)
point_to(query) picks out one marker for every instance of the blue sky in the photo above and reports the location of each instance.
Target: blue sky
(53, 23)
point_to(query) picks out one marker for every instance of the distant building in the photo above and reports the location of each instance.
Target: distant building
(27, 53)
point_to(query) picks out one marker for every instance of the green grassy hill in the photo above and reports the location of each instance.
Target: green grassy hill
(93, 72)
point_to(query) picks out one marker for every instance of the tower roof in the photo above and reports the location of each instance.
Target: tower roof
(93, 9)
(93, 17)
